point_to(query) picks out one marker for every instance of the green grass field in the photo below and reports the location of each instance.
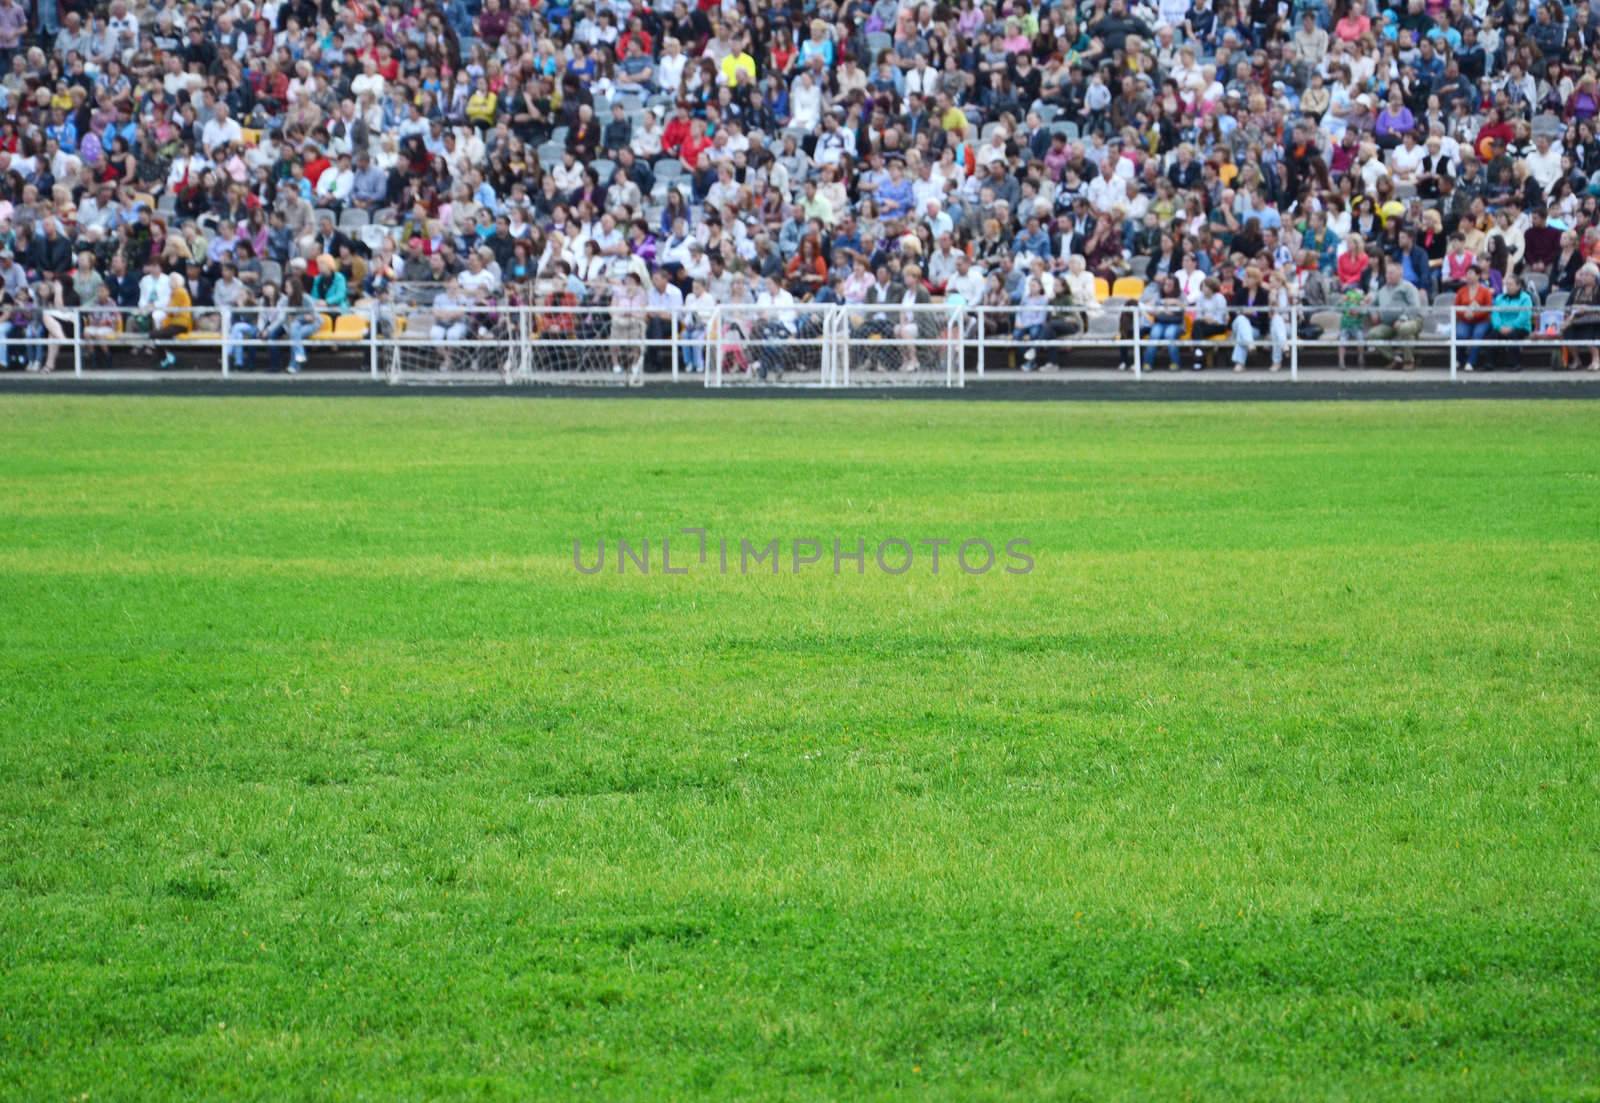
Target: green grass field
(324, 775)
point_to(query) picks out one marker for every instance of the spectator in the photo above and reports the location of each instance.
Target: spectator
(1397, 310)
(1472, 304)
(174, 319)
(1583, 324)
(1511, 322)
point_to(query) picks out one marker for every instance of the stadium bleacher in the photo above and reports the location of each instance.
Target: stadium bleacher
(166, 162)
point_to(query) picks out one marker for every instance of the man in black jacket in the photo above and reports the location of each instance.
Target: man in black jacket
(1114, 29)
(124, 284)
(51, 252)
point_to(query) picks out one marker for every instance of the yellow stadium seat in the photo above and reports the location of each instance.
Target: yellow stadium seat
(200, 335)
(1102, 289)
(1227, 172)
(1127, 287)
(347, 327)
(249, 137)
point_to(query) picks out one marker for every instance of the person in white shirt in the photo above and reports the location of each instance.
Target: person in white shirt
(1372, 169)
(336, 181)
(994, 149)
(1405, 160)
(370, 81)
(191, 164)
(1191, 281)
(646, 143)
(608, 237)
(477, 282)
(669, 70)
(937, 220)
(568, 174)
(1544, 162)
(699, 308)
(1080, 283)
(220, 131)
(449, 320)
(922, 80)
(155, 294)
(122, 32)
(1106, 190)
(968, 282)
(942, 262)
(805, 104)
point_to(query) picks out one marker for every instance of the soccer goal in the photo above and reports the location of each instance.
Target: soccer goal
(528, 345)
(784, 344)
(467, 346)
(900, 345)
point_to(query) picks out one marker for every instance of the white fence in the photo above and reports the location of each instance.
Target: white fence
(784, 344)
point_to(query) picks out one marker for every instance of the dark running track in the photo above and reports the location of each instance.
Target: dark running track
(1328, 386)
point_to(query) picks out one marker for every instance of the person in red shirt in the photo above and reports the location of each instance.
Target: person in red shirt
(1494, 129)
(676, 130)
(783, 52)
(695, 144)
(1472, 315)
(1351, 267)
(636, 33)
(388, 64)
(315, 167)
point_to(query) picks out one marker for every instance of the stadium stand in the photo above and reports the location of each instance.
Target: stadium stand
(1185, 171)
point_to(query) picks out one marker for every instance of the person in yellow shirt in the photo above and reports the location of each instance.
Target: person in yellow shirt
(951, 118)
(175, 319)
(738, 59)
(481, 105)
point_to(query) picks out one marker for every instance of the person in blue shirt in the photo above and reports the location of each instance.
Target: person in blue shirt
(1032, 239)
(1414, 266)
(895, 197)
(1263, 212)
(818, 45)
(1510, 321)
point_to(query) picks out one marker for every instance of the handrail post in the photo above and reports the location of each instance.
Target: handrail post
(226, 323)
(983, 339)
(672, 317)
(1294, 342)
(77, 342)
(714, 335)
(1453, 356)
(372, 339)
(1138, 351)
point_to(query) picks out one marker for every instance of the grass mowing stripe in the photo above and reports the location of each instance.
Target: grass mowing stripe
(326, 776)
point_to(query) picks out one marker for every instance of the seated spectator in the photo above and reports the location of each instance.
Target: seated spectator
(1582, 330)
(1397, 314)
(1511, 322)
(1472, 304)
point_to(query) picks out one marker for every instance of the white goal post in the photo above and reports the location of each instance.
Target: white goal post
(741, 345)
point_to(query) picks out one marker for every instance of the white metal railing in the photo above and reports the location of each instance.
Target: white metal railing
(832, 345)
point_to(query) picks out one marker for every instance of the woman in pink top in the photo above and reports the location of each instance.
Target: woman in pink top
(1352, 25)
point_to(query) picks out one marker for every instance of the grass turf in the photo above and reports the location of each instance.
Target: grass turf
(323, 774)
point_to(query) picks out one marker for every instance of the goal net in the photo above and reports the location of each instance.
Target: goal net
(767, 344)
(764, 345)
(897, 345)
(472, 346)
(528, 345)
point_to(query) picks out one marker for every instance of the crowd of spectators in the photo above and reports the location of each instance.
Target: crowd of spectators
(1236, 161)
